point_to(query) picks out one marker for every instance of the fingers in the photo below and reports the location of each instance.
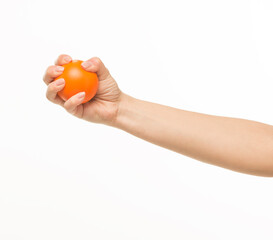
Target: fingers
(51, 73)
(71, 105)
(54, 71)
(96, 65)
(53, 89)
(63, 59)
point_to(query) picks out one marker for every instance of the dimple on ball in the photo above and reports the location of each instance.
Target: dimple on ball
(78, 80)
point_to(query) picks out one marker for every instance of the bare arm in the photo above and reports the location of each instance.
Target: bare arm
(237, 144)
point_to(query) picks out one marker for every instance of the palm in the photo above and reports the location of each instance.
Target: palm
(103, 107)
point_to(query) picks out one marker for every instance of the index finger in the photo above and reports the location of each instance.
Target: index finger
(63, 59)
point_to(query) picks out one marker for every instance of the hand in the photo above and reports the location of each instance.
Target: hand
(103, 108)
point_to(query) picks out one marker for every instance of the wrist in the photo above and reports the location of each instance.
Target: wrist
(123, 105)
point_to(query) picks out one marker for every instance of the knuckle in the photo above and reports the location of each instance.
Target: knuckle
(66, 106)
(47, 70)
(68, 109)
(58, 58)
(63, 59)
(48, 95)
(50, 70)
(97, 59)
(52, 87)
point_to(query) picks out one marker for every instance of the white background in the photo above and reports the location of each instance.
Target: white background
(64, 178)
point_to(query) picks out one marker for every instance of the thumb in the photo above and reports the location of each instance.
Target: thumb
(96, 65)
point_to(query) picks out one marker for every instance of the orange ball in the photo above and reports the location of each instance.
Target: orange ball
(78, 80)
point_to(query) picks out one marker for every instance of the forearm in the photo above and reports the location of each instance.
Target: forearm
(237, 144)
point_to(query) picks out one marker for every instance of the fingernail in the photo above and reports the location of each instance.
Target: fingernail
(81, 95)
(60, 82)
(86, 64)
(67, 59)
(59, 69)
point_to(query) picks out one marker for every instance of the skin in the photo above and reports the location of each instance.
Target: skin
(237, 144)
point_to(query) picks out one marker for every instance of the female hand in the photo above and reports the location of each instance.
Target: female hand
(103, 108)
(237, 144)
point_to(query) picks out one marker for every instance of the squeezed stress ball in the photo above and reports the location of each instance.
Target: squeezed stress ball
(78, 80)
